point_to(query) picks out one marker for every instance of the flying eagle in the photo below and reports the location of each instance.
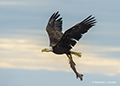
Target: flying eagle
(62, 43)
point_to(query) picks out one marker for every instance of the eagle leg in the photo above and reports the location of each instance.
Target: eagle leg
(70, 58)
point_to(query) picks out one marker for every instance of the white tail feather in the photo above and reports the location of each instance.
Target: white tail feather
(76, 53)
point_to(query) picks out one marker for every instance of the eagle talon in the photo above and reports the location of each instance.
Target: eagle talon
(69, 56)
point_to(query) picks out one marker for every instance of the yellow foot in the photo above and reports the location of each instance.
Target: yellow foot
(69, 56)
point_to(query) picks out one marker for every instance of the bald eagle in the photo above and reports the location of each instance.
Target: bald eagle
(62, 43)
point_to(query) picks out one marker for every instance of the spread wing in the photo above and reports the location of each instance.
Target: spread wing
(54, 29)
(73, 34)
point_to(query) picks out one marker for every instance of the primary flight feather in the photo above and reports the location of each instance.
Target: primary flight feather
(62, 43)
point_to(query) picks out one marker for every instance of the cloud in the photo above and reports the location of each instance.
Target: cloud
(96, 48)
(91, 63)
(13, 3)
(25, 54)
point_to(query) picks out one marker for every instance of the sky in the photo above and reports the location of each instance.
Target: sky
(23, 35)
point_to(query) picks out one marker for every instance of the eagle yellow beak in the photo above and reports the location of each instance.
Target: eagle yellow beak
(43, 50)
(46, 50)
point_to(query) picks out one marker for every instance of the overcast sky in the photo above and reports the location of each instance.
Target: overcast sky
(23, 35)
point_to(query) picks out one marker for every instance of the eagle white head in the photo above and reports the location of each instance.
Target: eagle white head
(47, 49)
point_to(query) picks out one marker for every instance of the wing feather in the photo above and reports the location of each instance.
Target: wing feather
(72, 35)
(54, 29)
